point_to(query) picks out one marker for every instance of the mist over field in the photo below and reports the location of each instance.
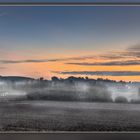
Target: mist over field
(70, 89)
(71, 104)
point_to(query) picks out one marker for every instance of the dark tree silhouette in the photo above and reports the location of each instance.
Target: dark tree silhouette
(121, 99)
(55, 79)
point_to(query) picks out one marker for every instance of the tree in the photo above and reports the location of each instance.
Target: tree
(41, 78)
(121, 99)
(55, 79)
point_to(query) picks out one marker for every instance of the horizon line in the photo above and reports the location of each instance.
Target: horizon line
(68, 77)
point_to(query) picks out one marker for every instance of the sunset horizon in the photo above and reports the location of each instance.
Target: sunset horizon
(94, 42)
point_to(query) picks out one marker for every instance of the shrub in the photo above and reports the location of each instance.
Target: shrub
(121, 99)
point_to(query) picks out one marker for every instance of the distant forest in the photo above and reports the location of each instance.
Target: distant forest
(72, 88)
(57, 79)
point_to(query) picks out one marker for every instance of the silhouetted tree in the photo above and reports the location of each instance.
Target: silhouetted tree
(41, 78)
(121, 99)
(55, 79)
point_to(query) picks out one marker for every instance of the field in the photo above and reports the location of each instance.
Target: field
(68, 116)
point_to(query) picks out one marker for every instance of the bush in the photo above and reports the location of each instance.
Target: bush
(135, 101)
(121, 99)
(55, 95)
(71, 93)
(99, 94)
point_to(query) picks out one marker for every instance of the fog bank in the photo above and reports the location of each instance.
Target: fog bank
(85, 91)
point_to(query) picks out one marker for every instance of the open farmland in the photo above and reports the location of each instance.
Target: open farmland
(68, 116)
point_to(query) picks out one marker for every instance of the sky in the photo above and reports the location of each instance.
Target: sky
(98, 42)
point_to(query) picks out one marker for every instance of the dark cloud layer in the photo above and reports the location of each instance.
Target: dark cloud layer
(2, 67)
(131, 52)
(27, 61)
(112, 63)
(102, 73)
(134, 48)
(45, 60)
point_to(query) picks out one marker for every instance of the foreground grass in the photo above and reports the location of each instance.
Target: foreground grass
(68, 116)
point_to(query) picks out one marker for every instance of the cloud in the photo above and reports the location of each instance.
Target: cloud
(112, 63)
(21, 61)
(134, 48)
(45, 60)
(2, 67)
(132, 52)
(129, 56)
(58, 59)
(101, 73)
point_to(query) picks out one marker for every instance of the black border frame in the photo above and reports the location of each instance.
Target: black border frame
(69, 3)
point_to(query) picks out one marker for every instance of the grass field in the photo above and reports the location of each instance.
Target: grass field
(68, 116)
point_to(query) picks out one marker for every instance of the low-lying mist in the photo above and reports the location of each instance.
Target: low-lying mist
(70, 91)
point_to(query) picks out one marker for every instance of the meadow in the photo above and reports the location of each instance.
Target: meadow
(72, 104)
(48, 116)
